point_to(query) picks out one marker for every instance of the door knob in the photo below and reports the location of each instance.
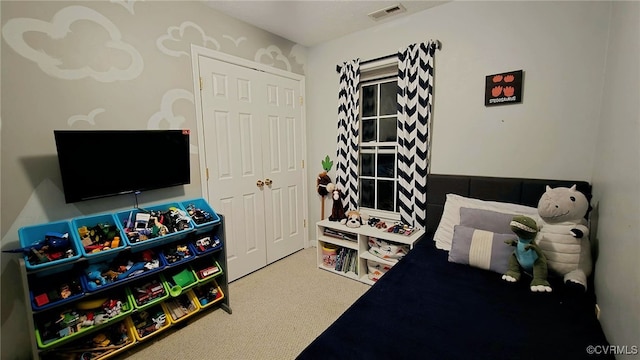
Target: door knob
(268, 182)
(260, 183)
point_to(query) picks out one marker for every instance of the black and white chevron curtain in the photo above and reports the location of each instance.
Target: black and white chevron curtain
(348, 129)
(415, 88)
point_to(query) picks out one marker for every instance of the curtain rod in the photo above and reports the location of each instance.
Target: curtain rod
(438, 46)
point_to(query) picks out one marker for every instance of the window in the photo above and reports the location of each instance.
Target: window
(378, 176)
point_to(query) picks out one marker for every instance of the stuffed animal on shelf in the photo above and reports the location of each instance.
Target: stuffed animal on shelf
(353, 219)
(337, 211)
(564, 234)
(527, 255)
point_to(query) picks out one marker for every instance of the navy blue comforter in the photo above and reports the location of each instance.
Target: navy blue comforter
(428, 308)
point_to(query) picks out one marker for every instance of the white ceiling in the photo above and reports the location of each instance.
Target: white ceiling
(311, 22)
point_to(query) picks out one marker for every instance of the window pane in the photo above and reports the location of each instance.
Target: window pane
(367, 193)
(367, 165)
(388, 98)
(369, 97)
(388, 129)
(385, 195)
(378, 143)
(386, 165)
(369, 132)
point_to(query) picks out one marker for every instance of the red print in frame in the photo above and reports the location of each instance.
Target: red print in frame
(505, 88)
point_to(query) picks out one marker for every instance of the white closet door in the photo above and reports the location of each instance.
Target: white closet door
(252, 135)
(282, 154)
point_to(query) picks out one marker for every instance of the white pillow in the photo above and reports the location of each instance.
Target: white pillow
(451, 215)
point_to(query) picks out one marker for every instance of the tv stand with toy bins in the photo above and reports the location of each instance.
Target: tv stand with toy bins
(122, 278)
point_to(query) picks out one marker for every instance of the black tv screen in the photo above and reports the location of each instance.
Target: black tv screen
(100, 163)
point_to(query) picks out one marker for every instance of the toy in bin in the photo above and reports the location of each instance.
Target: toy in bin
(147, 292)
(184, 278)
(98, 238)
(180, 281)
(207, 243)
(105, 342)
(181, 306)
(54, 246)
(122, 267)
(149, 321)
(84, 314)
(199, 216)
(48, 293)
(152, 224)
(207, 294)
(208, 271)
(177, 252)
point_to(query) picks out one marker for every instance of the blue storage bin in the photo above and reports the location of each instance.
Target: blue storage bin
(49, 291)
(92, 222)
(135, 230)
(206, 244)
(36, 234)
(173, 254)
(124, 267)
(202, 214)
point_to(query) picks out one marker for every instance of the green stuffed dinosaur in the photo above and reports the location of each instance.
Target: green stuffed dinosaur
(527, 254)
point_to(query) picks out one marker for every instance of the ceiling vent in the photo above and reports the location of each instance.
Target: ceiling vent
(388, 11)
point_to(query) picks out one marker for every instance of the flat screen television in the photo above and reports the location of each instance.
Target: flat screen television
(100, 163)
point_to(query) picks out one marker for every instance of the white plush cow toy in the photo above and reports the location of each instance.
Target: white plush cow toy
(564, 233)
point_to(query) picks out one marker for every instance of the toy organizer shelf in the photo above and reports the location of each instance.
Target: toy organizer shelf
(335, 239)
(145, 302)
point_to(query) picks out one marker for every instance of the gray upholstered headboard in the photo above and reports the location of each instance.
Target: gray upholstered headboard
(513, 190)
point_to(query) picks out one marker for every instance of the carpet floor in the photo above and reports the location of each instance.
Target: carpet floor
(276, 312)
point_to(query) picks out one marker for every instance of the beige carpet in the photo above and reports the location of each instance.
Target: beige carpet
(277, 312)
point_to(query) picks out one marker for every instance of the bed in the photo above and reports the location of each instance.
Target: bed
(427, 307)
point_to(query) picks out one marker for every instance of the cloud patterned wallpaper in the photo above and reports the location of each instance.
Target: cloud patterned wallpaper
(59, 31)
(99, 65)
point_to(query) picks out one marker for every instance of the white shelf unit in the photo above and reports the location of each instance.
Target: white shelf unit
(361, 245)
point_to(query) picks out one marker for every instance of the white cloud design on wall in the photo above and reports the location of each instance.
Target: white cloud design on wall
(90, 118)
(166, 113)
(179, 46)
(272, 55)
(15, 29)
(127, 4)
(237, 41)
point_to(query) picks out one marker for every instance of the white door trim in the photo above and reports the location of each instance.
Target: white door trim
(196, 52)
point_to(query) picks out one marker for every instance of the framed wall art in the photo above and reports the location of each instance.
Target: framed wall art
(503, 89)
